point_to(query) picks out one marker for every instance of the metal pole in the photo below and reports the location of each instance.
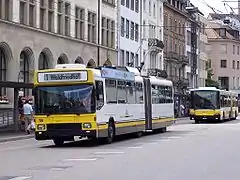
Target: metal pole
(15, 110)
(98, 39)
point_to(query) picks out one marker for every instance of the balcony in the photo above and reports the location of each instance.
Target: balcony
(184, 59)
(157, 72)
(180, 82)
(169, 55)
(155, 43)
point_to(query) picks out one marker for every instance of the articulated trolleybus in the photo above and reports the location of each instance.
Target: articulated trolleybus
(73, 101)
(210, 103)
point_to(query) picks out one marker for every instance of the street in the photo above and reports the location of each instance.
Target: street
(187, 151)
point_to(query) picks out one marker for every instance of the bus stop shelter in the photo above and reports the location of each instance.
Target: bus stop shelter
(16, 86)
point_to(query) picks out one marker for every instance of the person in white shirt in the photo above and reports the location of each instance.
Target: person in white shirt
(28, 115)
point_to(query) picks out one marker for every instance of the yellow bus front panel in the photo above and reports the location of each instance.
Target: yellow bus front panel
(65, 125)
(204, 114)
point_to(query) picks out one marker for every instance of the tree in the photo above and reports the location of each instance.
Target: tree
(209, 82)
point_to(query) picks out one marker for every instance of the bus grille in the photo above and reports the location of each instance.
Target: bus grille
(64, 127)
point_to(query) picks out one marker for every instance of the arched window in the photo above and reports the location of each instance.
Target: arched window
(25, 70)
(91, 64)
(3, 69)
(60, 60)
(43, 61)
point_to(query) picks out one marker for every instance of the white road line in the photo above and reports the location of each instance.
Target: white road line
(21, 178)
(109, 152)
(135, 147)
(174, 137)
(22, 147)
(162, 140)
(93, 159)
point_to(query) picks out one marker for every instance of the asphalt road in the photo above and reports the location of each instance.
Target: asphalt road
(186, 152)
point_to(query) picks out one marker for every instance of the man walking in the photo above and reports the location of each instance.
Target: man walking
(28, 116)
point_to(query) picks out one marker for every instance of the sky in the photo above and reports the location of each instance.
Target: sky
(217, 4)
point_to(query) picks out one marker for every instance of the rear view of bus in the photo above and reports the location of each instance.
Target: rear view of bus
(205, 104)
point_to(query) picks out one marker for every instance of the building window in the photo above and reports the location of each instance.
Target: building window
(154, 10)
(3, 71)
(233, 64)
(122, 26)
(149, 7)
(137, 6)
(7, 10)
(127, 58)
(127, 3)
(51, 15)
(67, 18)
(31, 18)
(59, 16)
(238, 50)
(223, 63)
(127, 28)
(188, 38)
(23, 12)
(233, 49)
(144, 5)
(123, 2)
(112, 2)
(131, 58)
(136, 32)
(237, 64)
(132, 5)
(132, 30)
(112, 32)
(79, 23)
(121, 63)
(25, 69)
(91, 27)
(108, 32)
(136, 60)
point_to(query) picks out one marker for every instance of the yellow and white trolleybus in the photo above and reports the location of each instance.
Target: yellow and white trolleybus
(210, 103)
(74, 101)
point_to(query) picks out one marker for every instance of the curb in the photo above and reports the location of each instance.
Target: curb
(17, 138)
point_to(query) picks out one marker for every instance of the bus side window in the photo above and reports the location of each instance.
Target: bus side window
(99, 95)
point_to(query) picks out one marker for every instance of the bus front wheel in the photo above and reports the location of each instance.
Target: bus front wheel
(58, 141)
(111, 132)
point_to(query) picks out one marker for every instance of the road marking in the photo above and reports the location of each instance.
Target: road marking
(174, 137)
(21, 178)
(162, 140)
(109, 152)
(93, 159)
(135, 147)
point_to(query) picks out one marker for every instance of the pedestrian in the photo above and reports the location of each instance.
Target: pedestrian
(28, 116)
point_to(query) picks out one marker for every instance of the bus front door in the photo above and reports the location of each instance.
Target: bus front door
(148, 104)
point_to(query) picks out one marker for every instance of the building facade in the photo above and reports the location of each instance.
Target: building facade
(203, 55)
(175, 59)
(152, 36)
(224, 51)
(40, 34)
(129, 39)
(192, 44)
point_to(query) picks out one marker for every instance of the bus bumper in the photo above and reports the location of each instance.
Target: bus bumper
(46, 135)
(203, 117)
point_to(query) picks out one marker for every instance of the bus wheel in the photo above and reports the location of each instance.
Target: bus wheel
(111, 132)
(138, 134)
(58, 141)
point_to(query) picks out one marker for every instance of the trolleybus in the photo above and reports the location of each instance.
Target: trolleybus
(74, 101)
(210, 103)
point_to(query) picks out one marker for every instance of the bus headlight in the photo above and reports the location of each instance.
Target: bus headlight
(41, 127)
(87, 125)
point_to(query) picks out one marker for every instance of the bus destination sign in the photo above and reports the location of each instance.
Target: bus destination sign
(62, 76)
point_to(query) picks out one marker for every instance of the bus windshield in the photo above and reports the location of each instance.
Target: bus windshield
(205, 100)
(71, 99)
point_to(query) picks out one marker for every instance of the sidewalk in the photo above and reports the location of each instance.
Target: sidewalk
(7, 137)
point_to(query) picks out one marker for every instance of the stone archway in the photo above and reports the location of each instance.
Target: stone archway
(107, 63)
(45, 59)
(91, 64)
(26, 67)
(79, 60)
(5, 57)
(63, 59)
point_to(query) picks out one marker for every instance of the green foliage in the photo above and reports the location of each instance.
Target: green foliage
(209, 82)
